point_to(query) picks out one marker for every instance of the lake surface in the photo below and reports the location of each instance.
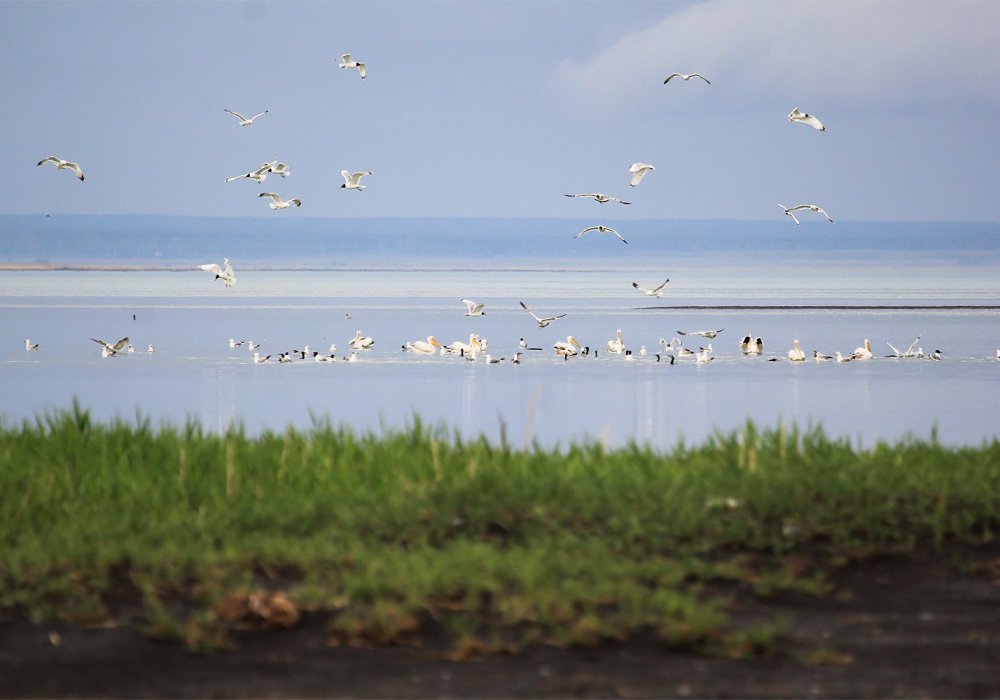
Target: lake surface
(195, 375)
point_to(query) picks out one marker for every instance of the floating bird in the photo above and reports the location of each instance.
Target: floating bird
(790, 211)
(224, 273)
(243, 120)
(909, 352)
(567, 348)
(751, 346)
(421, 346)
(278, 202)
(821, 357)
(704, 356)
(601, 229)
(542, 322)
(252, 345)
(63, 165)
(352, 181)
(473, 309)
(704, 334)
(797, 116)
(655, 291)
(863, 352)
(347, 62)
(233, 343)
(458, 347)
(517, 358)
(108, 349)
(616, 345)
(638, 171)
(841, 358)
(150, 348)
(600, 198)
(642, 350)
(936, 355)
(687, 76)
(130, 350)
(28, 345)
(796, 354)
(360, 343)
(490, 360)
(675, 347)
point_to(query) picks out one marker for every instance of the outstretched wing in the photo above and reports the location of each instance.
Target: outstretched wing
(698, 75)
(120, 344)
(273, 195)
(530, 311)
(671, 77)
(235, 114)
(362, 70)
(660, 288)
(211, 267)
(589, 228)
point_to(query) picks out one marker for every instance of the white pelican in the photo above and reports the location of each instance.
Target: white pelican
(655, 291)
(821, 357)
(243, 120)
(542, 322)
(797, 116)
(796, 354)
(480, 344)
(459, 347)
(28, 345)
(568, 348)
(233, 343)
(360, 343)
(686, 76)
(352, 181)
(616, 345)
(427, 347)
(790, 211)
(751, 346)
(473, 308)
(150, 348)
(600, 198)
(347, 62)
(841, 358)
(601, 229)
(863, 352)
(704, 334)
(638, 171)
(108, 349)
(278, 202)
(224, 273)
(63, 165)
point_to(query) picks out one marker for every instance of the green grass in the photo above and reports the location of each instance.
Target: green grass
(497, 547)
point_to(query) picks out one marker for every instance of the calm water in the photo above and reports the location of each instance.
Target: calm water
(195, 375)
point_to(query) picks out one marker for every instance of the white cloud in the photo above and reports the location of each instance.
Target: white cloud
(871, 55)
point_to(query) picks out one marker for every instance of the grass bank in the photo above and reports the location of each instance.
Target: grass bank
(488, 547)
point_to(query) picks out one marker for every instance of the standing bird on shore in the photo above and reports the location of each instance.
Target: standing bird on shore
(347, 62)
(798, 116)
(64, 165)
(243, 120)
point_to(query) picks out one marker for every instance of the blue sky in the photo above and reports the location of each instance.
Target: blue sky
(498, 108)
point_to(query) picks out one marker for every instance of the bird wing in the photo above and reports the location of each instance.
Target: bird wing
(50, 159)
(660, 288)
(823, 212)
(346, 58)
(103, 344)
(813, 122)
(909, 350)
(671, 77)
(235, 114)
(238, 177)
(363, 70)
(259, 115)
(120, 344)
(273, 195)
(620, 201)
(75, 167)
(698, 75)
(530, 311)
(358, 175)
(229, 268)
(616, 233)
(589, 228)
(637, 176)
(348, 178)
(471, 305)
(636, 285)
(211, 267)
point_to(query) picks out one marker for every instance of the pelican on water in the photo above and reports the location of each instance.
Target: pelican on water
(107, 349)
(358, 342)
(796, 354)
(427, 347)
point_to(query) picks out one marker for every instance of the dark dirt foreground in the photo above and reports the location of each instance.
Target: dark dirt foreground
(892, 627)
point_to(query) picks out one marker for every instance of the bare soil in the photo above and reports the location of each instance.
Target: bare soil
(927, 626)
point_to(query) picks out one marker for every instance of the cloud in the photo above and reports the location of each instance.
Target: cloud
(872, 55)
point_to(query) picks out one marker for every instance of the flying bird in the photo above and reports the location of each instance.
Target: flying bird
(347, 62)
(686, 77)
(600, 198)
(224, 273)
(28, 345)
(790, 211)
(278, 202)
(352, 181)
(108, 349)
(243, 120)
(63, 165)
(601, 229)
(798, 116)
(472, 308)
(703, 334)
(542, 322)
(655, 291)
(260, 174)
(638, 171)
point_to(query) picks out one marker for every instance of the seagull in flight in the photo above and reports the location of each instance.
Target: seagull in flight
(638, 171)
(800, 207)
(352, 181)
(278, 202)
(798, 116)
(473, 309)
(224, 273)
(63, 165)
(260, 174)
(655, 291)
(600, 198)
(602, 229)
(703, 334)
(109, 349)
(542, 322)
(243, 120)
(687, 76)
(347, 62)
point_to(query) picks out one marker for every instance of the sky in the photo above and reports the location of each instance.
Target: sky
(497, 109)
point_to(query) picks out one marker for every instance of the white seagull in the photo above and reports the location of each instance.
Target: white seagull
(352, 181)
(909, 352)
(472, 308)
(790, 211)
(28, 345)
(258, 360)
(704, 334)
(638, 171)
(687, 76)
(821, 357)
(243, 120)
(108, 349)
(150, 348)
(600, 228)
(600, 198)
(655, 291)
(224, 273)
(798, 116)
(542, 322)
(63, 165)
(347, 62)
(233, 343)
(278, 202)
(258, 175)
